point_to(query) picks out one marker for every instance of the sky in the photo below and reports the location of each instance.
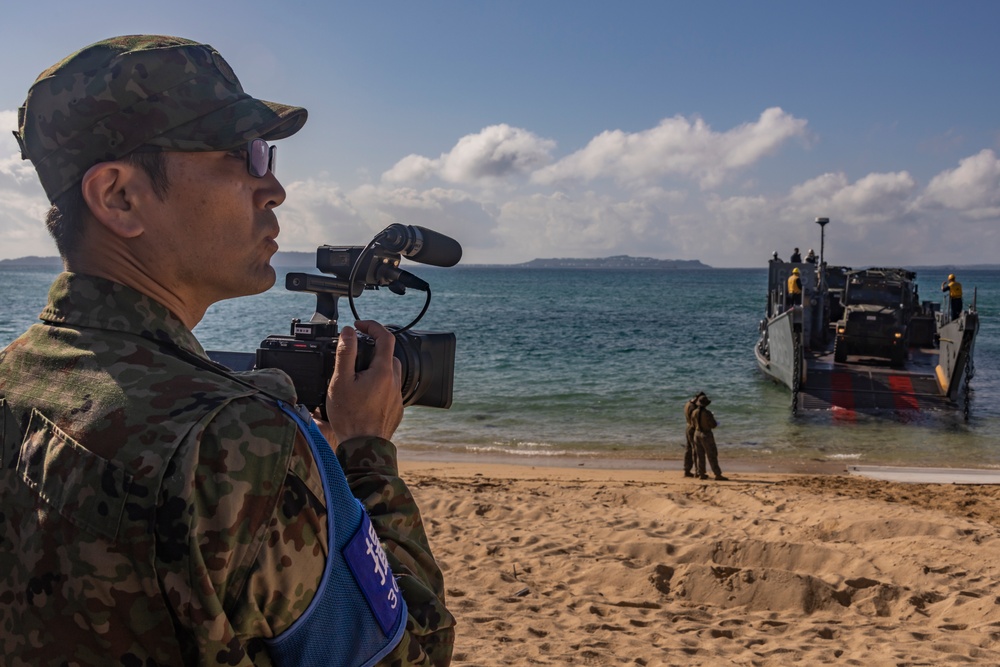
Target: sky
(698, 130)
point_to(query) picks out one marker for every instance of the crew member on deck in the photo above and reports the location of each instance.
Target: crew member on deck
(811, 256)
(954, 290)
(793, 296)
(796, 257)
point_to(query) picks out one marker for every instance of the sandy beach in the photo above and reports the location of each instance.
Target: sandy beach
(582, 565)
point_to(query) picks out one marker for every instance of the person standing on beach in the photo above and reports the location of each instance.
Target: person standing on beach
(704, 440)
(954, 290)
(689, 408)
(155, 507)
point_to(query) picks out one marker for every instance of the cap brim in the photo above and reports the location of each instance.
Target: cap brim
(233, 125)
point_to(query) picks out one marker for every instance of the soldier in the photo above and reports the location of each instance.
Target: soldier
(156, 508)
(689, 408)
(954, 290)
(796, 257)
(704, 440)
(794, 295)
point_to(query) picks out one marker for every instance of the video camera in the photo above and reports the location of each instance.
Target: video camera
(308, 354)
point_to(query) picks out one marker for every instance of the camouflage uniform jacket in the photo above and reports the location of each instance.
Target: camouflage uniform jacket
(703, 420)
(156, 513)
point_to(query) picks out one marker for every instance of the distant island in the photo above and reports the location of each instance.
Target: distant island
(616, 262)
(32, 262)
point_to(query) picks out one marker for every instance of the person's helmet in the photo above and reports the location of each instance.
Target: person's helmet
(795, 271)
(951, 276)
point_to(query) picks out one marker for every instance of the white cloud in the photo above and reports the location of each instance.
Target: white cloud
(676, 147)
(874, 198)
(316, 212)
(319, 212)
(879, 217)
(22, 222)
(12, 167)
(871, 199)
(22, 216)
(818, 190)
(587, 224)
(453, 212)
(971, 189)
(412, 168)
(494, 153)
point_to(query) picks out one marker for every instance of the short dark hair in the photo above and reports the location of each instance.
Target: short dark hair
(65, 217)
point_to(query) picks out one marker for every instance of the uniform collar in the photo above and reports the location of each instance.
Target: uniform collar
(88, 301)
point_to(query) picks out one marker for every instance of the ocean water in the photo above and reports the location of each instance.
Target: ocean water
(588, 363)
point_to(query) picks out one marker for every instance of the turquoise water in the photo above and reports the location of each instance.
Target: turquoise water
(599, 363)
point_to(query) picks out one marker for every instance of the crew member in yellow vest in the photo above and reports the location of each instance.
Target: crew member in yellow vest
(793, 295)
(954, 290)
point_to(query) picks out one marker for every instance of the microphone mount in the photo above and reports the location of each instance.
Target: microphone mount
(357, 268)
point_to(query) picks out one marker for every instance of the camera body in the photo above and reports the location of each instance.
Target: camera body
(308, 353)
(427, 359)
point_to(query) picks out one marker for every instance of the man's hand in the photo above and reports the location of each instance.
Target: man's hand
(366, 403)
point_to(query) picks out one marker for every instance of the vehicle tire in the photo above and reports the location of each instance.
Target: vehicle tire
(840, 350)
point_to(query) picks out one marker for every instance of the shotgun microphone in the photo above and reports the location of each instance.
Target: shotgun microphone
(421, 245)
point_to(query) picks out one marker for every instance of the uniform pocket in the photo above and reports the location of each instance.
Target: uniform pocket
(87, 490)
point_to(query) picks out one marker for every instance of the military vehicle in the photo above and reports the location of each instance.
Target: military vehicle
(862, 341)
(878, 306)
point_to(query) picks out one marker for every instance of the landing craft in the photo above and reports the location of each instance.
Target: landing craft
(863, 341)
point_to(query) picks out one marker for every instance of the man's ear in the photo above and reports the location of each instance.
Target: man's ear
(111, 190)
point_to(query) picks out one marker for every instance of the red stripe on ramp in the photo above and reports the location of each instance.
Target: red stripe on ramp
(842, 396)
(902, 393)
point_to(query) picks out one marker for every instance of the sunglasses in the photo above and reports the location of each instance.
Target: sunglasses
(261, 158)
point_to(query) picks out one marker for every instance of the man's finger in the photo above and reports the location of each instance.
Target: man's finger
(397, 371)
(385, 342)
(347, 352)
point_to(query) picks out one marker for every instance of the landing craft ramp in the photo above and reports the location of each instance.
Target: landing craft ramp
(871, 385)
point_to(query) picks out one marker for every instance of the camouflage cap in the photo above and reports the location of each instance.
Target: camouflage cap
(109, 98)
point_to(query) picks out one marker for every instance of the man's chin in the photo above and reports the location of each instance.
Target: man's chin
(268, 278)
(261, 280)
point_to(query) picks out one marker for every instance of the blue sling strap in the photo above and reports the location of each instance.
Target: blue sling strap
(358, 614)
